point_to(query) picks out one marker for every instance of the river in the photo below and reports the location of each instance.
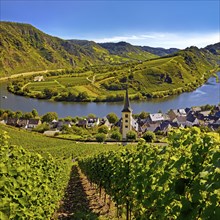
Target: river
(209, 93)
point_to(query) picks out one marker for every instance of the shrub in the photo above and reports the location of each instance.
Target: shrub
(149, 136)
(100, 137)
(116, 135)
(131, 135)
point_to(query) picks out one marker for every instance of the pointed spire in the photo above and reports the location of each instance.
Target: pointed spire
(127, 107)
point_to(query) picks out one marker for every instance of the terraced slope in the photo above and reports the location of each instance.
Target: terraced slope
(24, 48)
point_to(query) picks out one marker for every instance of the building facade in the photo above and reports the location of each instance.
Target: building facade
(126, 117)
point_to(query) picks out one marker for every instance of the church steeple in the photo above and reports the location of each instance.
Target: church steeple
(127, 107)
(126, 117)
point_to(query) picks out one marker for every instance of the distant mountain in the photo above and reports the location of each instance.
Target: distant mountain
(159, 51)
(214, 48)
(127, 50)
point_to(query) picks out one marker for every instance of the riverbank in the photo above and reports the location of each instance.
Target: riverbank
(80, 88)
(206, 94)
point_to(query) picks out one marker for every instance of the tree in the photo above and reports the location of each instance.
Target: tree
(143, 115)
(18, 114)
(49, 117)
(131, 135)
(103, 129)
(34, 113)
(27, 115)
(116, 135)
(66, 129)
(91, 115)
(83, 96)
(42, 128)
(149, 136)
(100, 137)
(48, 93)
(112, 117)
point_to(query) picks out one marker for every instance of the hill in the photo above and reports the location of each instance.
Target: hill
(159, 51)
(127, 50)
(214, 48)
(24, 48)
(183, 71)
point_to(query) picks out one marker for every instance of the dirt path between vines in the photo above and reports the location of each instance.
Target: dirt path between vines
(82, 201)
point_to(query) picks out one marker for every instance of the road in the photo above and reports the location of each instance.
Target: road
(27, 74)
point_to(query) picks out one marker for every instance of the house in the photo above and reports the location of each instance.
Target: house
(196, 109)
(191, 120)
(135, 125)
(181, 121)
(91, 122)
(174, 113)
(217, 114)
(165, 126)
(23, 123)
(105, 121)
(152, 127)
(33, 123)
(60, 124)
(12, 121)
(155, 118)
(204, 115)
(215, 125)
(38, 78)
(82, 123)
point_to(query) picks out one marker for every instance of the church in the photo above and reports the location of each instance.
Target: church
(127, 121)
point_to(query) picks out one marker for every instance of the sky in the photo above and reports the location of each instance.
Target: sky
(174, 23)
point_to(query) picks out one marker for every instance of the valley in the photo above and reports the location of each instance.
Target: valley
(109, 110)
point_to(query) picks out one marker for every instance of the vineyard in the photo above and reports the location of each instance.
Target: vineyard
(31, 186)
(58, 148)
(180, 180)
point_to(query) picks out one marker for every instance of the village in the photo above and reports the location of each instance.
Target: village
(159, 123)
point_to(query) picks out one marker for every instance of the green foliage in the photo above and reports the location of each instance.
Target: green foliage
(103, 129)
(112, 117)
(31, 186)
(27, 115)
(41, 128)
(178, 181)
(91, 115)
(116, 135)
(58, 148)
(149, 136)
(131, 135)
(143, 115)
(47, 52)
(100, 137)
(49, 117)
(34, 113)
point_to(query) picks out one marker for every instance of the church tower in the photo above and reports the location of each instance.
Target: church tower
(126, 117)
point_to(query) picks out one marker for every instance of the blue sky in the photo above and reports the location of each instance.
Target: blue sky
(174, 23)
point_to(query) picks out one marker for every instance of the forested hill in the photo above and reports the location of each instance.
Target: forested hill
(125, 49)
(25, 48)
(159, 51)
(214, 48)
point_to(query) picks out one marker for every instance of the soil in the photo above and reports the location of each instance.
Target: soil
(83, 201)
